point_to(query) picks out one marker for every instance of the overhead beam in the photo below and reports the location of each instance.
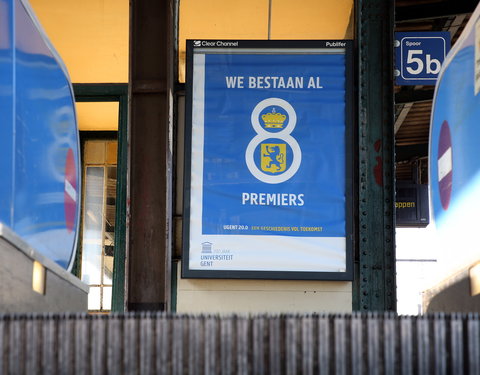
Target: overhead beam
(101, 92)
(422, 12)
(403, 153)
(456, 24)
(413, 96)
(402, 116)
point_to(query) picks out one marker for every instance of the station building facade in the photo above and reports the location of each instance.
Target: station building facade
(97, 43)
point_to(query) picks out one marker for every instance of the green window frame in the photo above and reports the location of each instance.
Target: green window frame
(114, 92)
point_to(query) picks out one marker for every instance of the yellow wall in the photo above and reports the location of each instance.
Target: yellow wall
(262, 296)
(97, 115)
(254, 19)
(91, 36)
(311, 19)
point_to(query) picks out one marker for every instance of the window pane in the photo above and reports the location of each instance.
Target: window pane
(112, 152)
(93, 226)
(107, 298)
(94, 298)
(109, 225)
(99, 222)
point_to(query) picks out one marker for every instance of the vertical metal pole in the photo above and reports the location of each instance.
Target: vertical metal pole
(150, 175)
(374, 286)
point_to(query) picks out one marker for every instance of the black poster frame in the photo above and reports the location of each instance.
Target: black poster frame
(347, 45)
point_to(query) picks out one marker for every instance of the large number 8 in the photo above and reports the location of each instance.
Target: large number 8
(284, 135)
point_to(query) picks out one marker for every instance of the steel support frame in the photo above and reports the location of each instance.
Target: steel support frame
(374, 285)
(149, 220)
(426, 11)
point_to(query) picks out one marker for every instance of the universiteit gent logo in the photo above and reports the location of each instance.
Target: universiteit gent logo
(206, 247)
(273, 155)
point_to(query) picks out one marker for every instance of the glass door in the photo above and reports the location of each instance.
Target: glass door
(98, 236)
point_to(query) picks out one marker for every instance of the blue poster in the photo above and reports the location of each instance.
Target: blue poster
(268, 160)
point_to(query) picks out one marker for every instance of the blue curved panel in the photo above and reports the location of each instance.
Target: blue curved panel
(44, 148)
(455, 133)
(454, 148)
(6, 109)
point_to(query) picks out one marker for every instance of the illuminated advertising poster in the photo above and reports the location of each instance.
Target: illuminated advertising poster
(268, 164)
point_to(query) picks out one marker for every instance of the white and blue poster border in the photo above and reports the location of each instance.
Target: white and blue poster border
(268, 160)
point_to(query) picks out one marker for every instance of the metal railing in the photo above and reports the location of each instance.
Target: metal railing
(157, 343)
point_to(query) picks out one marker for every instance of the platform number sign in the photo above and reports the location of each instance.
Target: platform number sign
(419, 56)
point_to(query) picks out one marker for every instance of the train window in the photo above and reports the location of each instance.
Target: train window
(98, 235)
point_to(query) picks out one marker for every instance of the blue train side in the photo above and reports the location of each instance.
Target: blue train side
(455, 151)
(39, 147)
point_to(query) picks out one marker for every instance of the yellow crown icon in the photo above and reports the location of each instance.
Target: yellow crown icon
(273, 119)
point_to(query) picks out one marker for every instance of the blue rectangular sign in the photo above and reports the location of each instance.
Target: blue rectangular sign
(268, 160)
(419, 56)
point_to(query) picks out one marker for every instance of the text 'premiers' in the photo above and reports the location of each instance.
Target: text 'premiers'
(272, 199)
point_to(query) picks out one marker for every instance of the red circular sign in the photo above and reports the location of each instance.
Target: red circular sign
(71, 194)
(445, 165)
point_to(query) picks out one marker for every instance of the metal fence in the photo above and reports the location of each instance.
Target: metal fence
(157, 343)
